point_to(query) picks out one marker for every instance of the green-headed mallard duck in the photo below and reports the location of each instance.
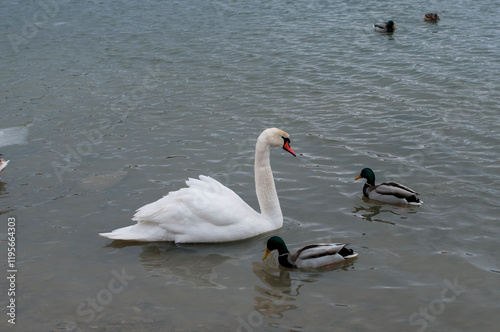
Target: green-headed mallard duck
(311, 256)
(385, 27)
(388, 192)
(431, 17)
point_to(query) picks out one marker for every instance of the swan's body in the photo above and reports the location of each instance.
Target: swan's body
(3, 164)
(311, 256)
(431, 17)
(388, 192)
(388, 27)
(207, 211)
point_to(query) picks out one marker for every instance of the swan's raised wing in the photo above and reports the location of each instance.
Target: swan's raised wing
(204, 200)
(205, 211)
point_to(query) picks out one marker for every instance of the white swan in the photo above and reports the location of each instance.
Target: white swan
(208, 211)
(3, 164)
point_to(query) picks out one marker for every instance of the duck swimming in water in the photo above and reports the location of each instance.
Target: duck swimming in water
(311, 256)
(388, 192)
(388, 27)
(431, 17)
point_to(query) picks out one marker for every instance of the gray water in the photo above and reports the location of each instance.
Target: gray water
(109, 105)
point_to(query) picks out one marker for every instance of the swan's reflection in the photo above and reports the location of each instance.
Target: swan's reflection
(195, 271)
(180, 265)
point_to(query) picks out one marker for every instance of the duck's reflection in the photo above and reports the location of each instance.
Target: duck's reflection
(282, 286)
(370, 212)
(279, 294)
(374, 211)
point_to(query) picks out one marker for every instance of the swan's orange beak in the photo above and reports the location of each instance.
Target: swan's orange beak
(287, 147)
(266, 254)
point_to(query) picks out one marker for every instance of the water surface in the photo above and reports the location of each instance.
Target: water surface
(107, 106)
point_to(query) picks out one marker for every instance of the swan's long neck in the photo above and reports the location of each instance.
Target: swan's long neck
(264, 184)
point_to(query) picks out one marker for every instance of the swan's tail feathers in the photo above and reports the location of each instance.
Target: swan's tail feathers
(142, 232)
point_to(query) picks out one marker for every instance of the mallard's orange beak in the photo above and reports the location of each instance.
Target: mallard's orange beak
(358, 177)
(266, 254)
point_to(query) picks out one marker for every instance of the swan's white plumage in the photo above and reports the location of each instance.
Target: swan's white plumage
(207, 211)
(203, 211)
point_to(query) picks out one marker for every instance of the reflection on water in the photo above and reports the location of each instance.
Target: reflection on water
(279, 295)
(179, 265)
(282, 286)
(3, 193)
(181, 88)
(3, 188)
(369, 212)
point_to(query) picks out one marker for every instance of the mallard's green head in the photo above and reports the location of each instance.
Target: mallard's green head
(390, 26)
(368, 174)
(275, 243)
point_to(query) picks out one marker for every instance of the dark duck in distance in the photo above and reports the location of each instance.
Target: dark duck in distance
(431, 17)
(388, 27)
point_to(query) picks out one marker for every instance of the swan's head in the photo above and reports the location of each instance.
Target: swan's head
(277, 138)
